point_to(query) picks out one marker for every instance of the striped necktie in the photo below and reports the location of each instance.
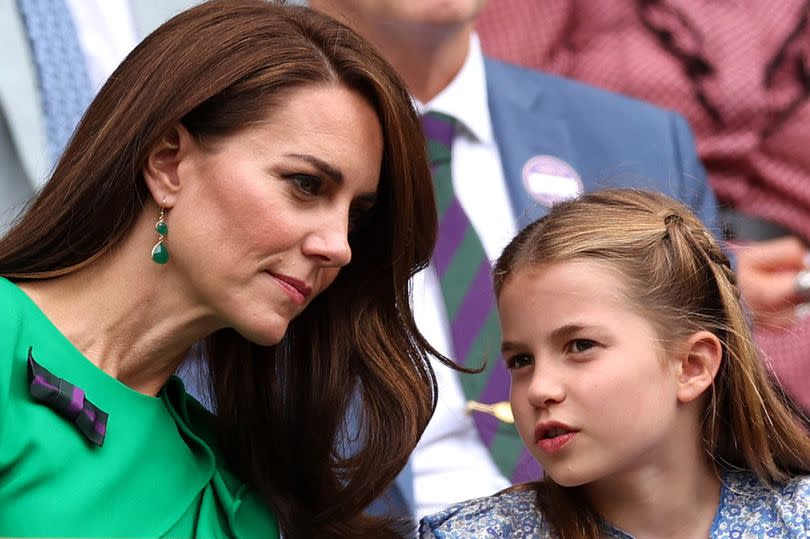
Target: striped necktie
(463, 269)
(63, 81)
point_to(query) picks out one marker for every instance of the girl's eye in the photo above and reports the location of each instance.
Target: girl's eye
(518, 361)
(578, 346)
(309, 185)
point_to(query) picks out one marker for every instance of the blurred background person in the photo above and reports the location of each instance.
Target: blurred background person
(740, 73)
(54, 56)
(506, 143)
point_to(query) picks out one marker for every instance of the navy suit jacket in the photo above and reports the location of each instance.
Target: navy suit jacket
(610, 140)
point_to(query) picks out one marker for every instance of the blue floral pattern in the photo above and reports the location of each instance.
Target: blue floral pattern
(748, 509)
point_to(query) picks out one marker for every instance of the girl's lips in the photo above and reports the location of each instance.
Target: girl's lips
(552, 436)
(548, 429)
(558, 443)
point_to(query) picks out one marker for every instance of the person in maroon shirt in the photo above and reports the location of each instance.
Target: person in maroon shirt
(740, 73)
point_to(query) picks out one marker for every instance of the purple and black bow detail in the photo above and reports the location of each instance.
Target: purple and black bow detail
(68, 400)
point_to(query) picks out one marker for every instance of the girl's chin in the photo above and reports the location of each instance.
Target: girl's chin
(567, 480)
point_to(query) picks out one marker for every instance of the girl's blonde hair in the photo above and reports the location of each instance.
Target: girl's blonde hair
(677, 273)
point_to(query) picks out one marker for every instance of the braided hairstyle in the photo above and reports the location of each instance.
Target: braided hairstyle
(678, 275)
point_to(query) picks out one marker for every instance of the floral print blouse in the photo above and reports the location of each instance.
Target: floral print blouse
(748, 509)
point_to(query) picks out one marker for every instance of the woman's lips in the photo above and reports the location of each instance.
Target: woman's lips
(297, 289)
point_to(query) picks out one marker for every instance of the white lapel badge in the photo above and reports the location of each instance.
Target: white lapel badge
(550, 180)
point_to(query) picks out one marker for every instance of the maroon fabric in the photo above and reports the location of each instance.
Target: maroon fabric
(605, 43)
(786, 353)
(753, 132)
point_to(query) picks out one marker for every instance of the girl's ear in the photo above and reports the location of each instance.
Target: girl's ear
(697, 365)
(160, 172)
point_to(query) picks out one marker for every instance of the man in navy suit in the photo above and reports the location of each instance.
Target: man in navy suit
(524, 141)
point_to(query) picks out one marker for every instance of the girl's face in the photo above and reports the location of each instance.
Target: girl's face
(261, 225)
(592, 392)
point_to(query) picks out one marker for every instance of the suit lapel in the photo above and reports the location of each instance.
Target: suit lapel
(18, 83)
(526, 123)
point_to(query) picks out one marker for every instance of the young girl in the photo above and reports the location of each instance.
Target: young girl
(637, 386)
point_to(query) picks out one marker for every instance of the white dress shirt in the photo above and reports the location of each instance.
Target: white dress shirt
(450, 463)
(106, 33)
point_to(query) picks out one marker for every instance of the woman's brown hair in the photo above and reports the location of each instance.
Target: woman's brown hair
(676, 273)
(355, 351)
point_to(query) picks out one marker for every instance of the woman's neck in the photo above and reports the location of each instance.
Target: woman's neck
(676, 498)
(125, 313)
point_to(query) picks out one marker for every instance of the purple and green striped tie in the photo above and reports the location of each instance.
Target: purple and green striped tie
(463, 270)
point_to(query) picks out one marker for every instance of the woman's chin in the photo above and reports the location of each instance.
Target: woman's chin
(268, 335)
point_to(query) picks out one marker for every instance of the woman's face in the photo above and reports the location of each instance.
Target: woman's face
(260, 226)
(592, 393)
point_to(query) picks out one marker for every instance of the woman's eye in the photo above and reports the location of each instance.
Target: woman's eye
(309, 185)
(578, 346)
(354, 217)
(358, 216)
(518, 361)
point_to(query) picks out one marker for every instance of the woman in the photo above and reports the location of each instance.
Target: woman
(636, 385)
(245, 162)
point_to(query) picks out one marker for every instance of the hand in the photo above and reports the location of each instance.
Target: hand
(766, 272)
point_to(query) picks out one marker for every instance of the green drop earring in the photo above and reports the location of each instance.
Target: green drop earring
(160, 254)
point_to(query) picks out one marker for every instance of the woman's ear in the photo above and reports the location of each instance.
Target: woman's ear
(698, 364)
(161, 172)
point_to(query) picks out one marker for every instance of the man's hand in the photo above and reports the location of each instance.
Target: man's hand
(766, 272)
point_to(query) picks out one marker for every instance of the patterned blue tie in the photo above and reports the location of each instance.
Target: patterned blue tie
(63, 81)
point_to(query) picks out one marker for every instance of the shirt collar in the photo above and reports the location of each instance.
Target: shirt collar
(465, 98)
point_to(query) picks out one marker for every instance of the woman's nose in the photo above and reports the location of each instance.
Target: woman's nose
(330, 244)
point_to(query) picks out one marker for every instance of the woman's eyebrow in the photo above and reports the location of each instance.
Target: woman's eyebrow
(334, 174)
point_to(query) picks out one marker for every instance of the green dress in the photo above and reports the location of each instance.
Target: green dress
(157, 474)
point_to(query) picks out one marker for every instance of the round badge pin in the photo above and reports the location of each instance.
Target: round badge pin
(550, 180)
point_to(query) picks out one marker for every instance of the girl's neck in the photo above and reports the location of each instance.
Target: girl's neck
(676, 499)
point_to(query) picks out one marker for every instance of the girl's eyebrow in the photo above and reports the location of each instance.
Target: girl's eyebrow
(508, 346)
(566, 330)
(557, 334)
